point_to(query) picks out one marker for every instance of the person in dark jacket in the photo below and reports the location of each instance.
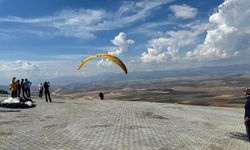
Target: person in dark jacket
(247, 113)
(101, 95)
(46, 86)
(23, 88)
(18, 86)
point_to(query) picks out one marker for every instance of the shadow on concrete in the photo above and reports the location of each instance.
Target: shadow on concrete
(10, 110)
(238, 135)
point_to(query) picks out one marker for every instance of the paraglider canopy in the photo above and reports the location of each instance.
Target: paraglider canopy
(107, 56)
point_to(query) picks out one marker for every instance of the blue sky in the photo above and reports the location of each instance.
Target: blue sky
(47, 39)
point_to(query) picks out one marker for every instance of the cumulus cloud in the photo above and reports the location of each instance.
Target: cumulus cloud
(122, 44)
(104, 62)
(167, 48)
(19, 65)
(24, 65)
(183, 11)
(22, 69)
(227, 35)
(230, 34)
(159, 50)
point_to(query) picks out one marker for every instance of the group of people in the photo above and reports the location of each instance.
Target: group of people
(18, 87)
(44, 87)
(22, 88)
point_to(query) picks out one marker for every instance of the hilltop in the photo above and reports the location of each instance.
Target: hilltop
(93, 124)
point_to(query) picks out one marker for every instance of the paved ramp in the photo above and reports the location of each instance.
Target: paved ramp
(121, 125)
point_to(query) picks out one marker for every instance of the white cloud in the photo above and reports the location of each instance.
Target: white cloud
(104, 63)
(24, 65)
(69, 23)
(167, 48)
(39, 70)
(83, 23)
(131, 12)
(20, 69)
(227, 35)
(230, 34)
(19, 65)
(160, 50)
(122, 44)
(183, 11)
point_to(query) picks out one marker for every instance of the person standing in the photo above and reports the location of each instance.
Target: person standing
(18, 88)
(27, 85)
(101, 95)
(13, 87)
(46, 86)
(23, 88)
(40, 86)
(247, 113)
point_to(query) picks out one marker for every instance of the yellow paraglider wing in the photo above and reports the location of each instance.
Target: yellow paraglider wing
(107, 56)
(85, 61)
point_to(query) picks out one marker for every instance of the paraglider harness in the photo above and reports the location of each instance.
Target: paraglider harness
(23, 103)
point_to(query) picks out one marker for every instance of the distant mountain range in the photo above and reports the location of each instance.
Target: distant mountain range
(200, 71)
